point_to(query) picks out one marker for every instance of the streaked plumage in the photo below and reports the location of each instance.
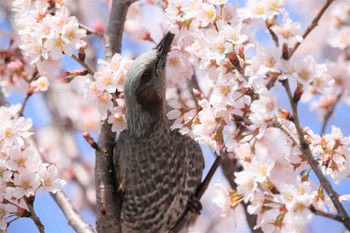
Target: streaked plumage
(158, 170)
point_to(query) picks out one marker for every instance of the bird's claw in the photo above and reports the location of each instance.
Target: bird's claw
(194, 205)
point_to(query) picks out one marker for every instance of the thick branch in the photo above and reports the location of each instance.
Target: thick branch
(116, 26)
(108, 205)
(73, 218)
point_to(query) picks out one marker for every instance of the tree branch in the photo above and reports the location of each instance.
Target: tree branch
(324, 214)
(303, 146)
(116, 26)
(3, 101)
(330, 113)
(313, 24)
(30, 203)
(89, 30)
(273, 35)
(74, 219)
(83, 64)
(108, 205)
(305, 150)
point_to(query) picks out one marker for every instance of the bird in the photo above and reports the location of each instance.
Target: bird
(157, 170)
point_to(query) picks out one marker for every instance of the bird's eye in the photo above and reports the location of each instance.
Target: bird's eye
(145, 77)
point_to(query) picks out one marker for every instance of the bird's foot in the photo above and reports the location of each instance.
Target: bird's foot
(194, 205)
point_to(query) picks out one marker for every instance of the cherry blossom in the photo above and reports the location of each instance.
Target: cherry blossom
(236, 111)
(305, 70)
(48, 176)
(224, 198)
(20, 165)
(14, 131)
(26, 184)
(22, 159)
(263, 109)
(288, 31)
(104, 81)
(340, 39)
(178, 63)
(117, 117)
(334, 152)
(264, 62)
(61, 32)
(265, 9)
(40, 85)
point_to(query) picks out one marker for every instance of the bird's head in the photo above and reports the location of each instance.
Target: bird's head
(144, 86)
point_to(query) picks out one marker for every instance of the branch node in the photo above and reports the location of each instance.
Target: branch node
(103, 211)
(90, 140)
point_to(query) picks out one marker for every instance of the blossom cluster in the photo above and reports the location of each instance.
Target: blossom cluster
(46, 32)
(333, 152)
(339, 68)
(217, 43)
(237, 112)
(21, 170)
(102, 90)
(340, 18)
(214, 36)
(273, 183)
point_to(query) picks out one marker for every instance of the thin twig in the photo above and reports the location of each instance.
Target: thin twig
(72, 216)
(24, 104)
(83, 64)
(274, 36)
(89, 30)
(30, 203)
(303, 146)
(90, 140)
(201, 189)
(330, 113)
(313, 24)
(287, 131)
(305, 150)
(324, 214)
(209, 176)
(3, 101)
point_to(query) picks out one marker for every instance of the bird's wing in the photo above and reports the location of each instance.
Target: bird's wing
(192, 156)
(195, 161)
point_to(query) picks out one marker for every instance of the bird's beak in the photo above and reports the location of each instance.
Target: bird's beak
(164, 45)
